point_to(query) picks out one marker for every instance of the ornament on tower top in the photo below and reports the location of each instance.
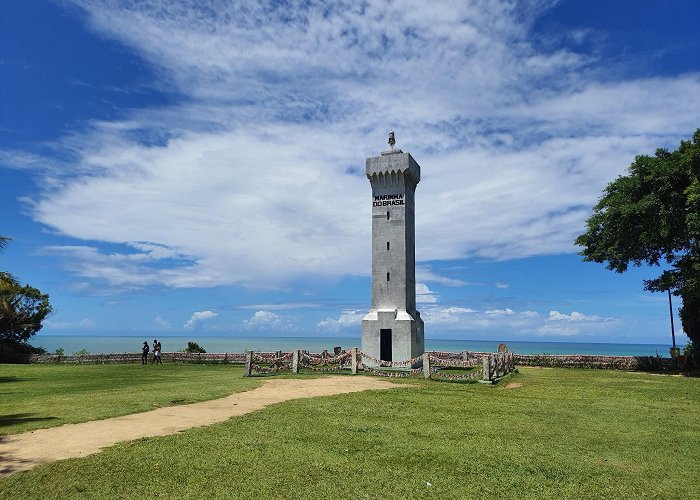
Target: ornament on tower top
(392, 150)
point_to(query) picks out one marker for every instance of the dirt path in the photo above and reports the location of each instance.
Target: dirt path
(24, 451)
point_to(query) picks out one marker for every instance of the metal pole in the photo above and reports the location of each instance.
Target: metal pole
(670, 310)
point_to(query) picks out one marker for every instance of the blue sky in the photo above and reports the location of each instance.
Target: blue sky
(196, 168)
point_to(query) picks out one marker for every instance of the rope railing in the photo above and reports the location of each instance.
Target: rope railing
(446, 354)
(390, 364)
(455, 363)
(308, 359)
(392, 374)
(437, 373)
(431, 364)
(276, 362)
(271, 358)
(268, 369)
(296, 360)
(323, 369)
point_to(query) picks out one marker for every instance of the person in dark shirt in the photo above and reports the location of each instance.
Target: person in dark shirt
(144, 353)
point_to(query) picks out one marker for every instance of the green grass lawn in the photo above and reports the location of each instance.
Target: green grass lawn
(561, 434)
(39, 396)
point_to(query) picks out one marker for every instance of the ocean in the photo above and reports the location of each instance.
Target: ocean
(118, 344)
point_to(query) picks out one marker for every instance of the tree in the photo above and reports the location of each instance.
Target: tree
(652, 216)
(6, 278)
(194, 347)
(22, 309)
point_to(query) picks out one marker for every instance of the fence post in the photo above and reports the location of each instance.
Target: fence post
(353, 360)
(248, 363)
(295, 361)
(426, 364)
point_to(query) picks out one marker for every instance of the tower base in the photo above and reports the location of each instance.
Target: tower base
(392, 335)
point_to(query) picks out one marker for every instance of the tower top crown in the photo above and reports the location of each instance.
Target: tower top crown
(392, 141)
(393, 161)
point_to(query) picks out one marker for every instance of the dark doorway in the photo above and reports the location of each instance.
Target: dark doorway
(385, 344)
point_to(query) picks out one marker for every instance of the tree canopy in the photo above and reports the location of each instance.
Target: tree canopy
(652, 216)
(22, 308)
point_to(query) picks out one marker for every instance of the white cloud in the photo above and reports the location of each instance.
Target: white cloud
(575, 324)
(198, 317)
(446, 315)
(270, 321)
(83, 324)
(280, 306)
(424, 273)
(515, 324)
(161, 323)
(246, 179)
(425, 294)
(499, 312)
(479, 323)
(347, 319)
(574, 316)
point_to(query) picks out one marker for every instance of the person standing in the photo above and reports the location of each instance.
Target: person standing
(144, 353)
(160, 360)
(156, 352)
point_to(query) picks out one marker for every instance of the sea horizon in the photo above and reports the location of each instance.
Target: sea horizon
(103, 344)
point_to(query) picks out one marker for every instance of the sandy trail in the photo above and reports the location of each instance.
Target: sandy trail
(24, 451)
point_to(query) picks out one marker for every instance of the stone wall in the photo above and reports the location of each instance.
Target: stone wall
(132, 357)
(640, 363)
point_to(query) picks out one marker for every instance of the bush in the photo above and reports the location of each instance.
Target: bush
(649, 363)
(18, 352)
(692, 357)
(194, 347)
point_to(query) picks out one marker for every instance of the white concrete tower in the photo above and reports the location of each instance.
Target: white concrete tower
(393, 328)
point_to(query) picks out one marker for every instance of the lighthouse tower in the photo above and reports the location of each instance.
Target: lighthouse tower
(393, 328)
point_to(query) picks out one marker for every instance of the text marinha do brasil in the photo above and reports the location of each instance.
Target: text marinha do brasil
(385, 200)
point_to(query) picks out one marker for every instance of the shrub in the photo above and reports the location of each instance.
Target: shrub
(692, 357)
(194, 347)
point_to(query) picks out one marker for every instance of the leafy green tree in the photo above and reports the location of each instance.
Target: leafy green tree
(194, 347)
(652, 216)
(6, 278)
(22, 309)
